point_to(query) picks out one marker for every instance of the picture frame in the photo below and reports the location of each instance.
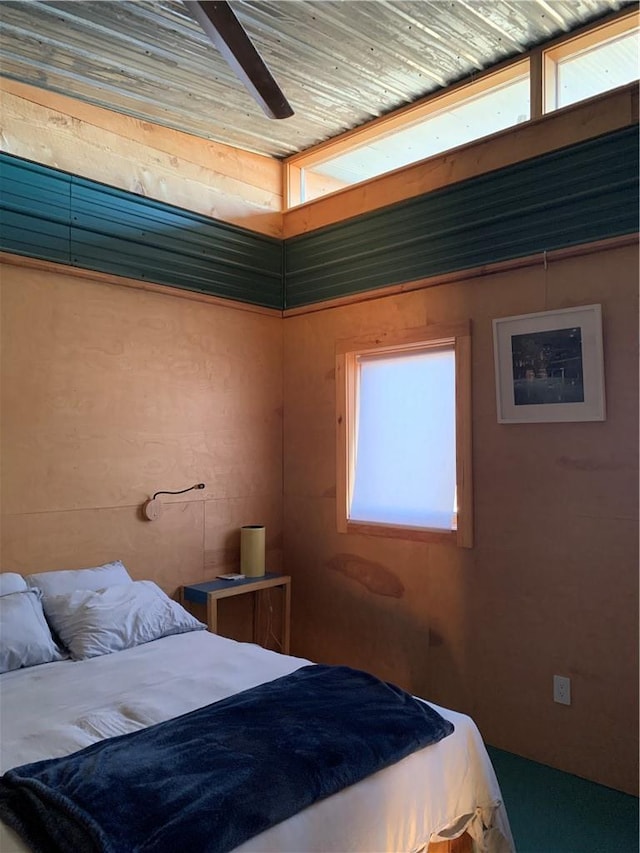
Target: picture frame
(549, 366)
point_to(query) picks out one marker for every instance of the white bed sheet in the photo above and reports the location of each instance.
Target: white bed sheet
(57, 708)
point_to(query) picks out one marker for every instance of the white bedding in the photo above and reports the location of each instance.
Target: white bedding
(438, 792)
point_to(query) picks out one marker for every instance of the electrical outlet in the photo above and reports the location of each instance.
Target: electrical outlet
(561, 689)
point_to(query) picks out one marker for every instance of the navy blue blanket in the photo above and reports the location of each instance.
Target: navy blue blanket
(211, 779)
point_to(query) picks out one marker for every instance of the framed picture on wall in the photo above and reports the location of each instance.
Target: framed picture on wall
(549, 366)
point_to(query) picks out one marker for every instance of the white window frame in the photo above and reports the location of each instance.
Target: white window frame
(347, 352)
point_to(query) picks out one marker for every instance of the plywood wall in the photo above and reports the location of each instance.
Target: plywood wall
(110, 394)
(551, 586)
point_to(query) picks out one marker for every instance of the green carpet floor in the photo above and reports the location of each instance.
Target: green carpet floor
(554, 812)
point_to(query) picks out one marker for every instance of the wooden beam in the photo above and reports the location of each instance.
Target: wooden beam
(220, 24)
(536, 84)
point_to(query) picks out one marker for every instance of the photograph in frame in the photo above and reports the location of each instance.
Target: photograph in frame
(549, 366)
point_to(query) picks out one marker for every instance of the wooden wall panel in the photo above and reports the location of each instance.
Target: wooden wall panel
(354, 602)
(551, 586)
(168, 551)
(207, 177)
(224, 518)
(110, 394)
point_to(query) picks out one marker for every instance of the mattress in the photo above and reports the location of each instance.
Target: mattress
(435, 793)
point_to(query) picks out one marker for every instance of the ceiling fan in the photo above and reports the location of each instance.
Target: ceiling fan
(219, 22)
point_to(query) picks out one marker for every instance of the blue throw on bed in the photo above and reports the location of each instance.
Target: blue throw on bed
(212, 778)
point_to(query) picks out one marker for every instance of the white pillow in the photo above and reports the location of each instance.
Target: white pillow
(11, 582)
(25, 638)
(98, 577)
(97, 622)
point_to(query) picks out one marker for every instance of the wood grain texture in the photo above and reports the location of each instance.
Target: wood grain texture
(256, 170)
(463, 844)
(224, 518)
(316, 184)
(122, 281)
(536, 82)
(110, 394)
(551, 584)
(206, 177)
(159, 393)
(586, 120)
(346, 604)
(167, 551)
(464, 453)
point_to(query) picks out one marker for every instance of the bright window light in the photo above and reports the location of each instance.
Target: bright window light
(499, 108)
(403, 435)
(405, 440)
(597, 69)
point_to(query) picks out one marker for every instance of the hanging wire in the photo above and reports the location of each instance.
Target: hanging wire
(279, 641)
(181, 492)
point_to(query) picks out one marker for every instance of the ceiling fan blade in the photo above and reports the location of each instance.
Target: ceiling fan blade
(227, 33)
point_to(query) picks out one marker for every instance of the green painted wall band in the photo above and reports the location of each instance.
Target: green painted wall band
(579, 194)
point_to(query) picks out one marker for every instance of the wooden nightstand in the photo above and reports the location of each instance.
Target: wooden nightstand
(210, 592)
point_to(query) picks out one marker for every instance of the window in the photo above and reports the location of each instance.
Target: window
(404, 435)
(449, 119)
(593, 63)
(453, 125)
(572, 68)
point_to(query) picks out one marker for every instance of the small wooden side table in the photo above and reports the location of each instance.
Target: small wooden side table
(210, 592)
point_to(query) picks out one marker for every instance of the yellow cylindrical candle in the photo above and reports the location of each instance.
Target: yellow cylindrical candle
(252, 550)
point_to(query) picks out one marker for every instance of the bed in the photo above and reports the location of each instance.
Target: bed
(443, 791)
